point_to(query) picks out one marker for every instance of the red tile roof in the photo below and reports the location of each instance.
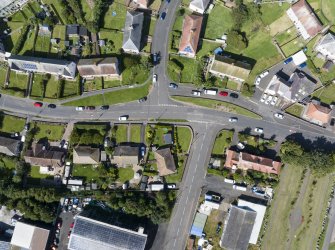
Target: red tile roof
(318, 112)
(191, 33)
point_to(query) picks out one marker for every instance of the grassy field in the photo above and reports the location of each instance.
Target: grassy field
(327, 94)
(86, 171)
(219, 105)
(10, 124)
(187, 74)
(125, 174)
(206, 48)
(54, 132)
(286, 36)
(55, 5)
(35, 173)
(70, 88)
(295, 109)
(215, 26)
(184, 136)
(328, 9)
(28, 47)
(293, 46)
(222, 142)
(7, 162)
(117, 21)
(232, 85)
(280, 209)
(9, 41)
(160, 132)
(42, 45)
(121, 133)
(135, 133)
(119, 96)
(2, 76)
(175, 178)
(18, 81)
(271, 12)
(92, 85)
(332, 246)
(50, 89)
(115, 37)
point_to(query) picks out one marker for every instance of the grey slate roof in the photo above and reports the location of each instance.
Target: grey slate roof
(9, 146)
(92, 234)
(126, 151)
(201, 4)
(238, 229)
(133, 31)
(328, 43)
(72, 29)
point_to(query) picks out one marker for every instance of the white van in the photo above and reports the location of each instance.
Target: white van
(123, 118)
(210, 92)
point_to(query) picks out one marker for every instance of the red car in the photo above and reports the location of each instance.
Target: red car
(72, 224)
(223, 93)
(38, 104)
(68, 235)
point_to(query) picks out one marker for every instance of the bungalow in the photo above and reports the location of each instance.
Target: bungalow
(165, 161)
(326, 47)
(304, 19)
(199, 6)
(222, 66)
(190, 35)
(318, 114)
(125, 155)
(132, 32)
(99, 67)
(245, 161)
(9, 146)
(63, 68)
(86, 155)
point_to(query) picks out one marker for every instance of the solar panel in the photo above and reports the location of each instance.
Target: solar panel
(29, 66)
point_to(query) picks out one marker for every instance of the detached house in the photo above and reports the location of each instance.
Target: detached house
(125, 155)
(304, 19)
(99, 67)
(86, 155)
(326, 47)
(318, 114)
(165, 161)
(9, 146)
(132, 32)
(190, 36)
(199, 6)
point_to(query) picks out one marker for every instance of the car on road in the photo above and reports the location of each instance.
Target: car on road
(90, 108)
(258, 80)
(163, 15)
(143, 99)
(142, 151)
(274, 100)
(104, 107)
(233, 119)
(156, 57)
(223, 93)
(69, 234)
(173, 85)
(233, 95)
(72, 224)
(80, 108)
(264, 96)
(258, 130)
(154, 78)
(264, 74)
(38, 104)
(288, 60)
(279, 115)
(171, 186)
(52, 106)
(196, 92)
(240, 145)
(123, 118)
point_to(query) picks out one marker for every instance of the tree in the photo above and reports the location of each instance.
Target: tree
(75, 136)
(319, 162)
(237, 39)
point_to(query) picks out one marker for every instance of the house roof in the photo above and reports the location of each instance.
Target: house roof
(72, 29)
(29, 237)
(165, 161)
(198, 224)
(9, 146)
(252, 162)
(238, 228)
(318, 112)
(231, 67)
(191, 33)
(133, 31)
(124, 150)
(327, 42)
(83, 31)
(86, 155)
(92, 234)
(98, 66)
(168, 138)
(307, 18)
(41, 156)
(200, 4)
(142, 3)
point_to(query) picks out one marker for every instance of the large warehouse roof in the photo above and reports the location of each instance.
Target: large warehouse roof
(91, 234)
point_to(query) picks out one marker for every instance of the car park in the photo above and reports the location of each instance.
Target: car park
(80, 108)
(279, 115)
(233, 119)
(143, 99)
(173, 85)
(52, 106)
(38, 104)
(233, 95)
(196, 92)
(163, 15)
(123, 118)
(104, 107)
(154, 78)
(223, 93)
(258, 130)
(264, 74)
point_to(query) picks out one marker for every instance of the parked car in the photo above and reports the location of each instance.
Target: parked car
(61, 144)
(171, 186)
(233, 119)
(52, 106)
(163, 15)
(196, 92)
(156, 58)
(274, 100)
(69, 234)
(123, 118)
(72, 224)
(66, 145)
(233, 95)
(80, 108)
(173, 85)
(264, 97)
(264, 74)
(288, 60)
(90, 108)
(279, 115)
(258, 80)
(303, 65)
(154, 78)
(26, 127)
(23, 138)
(16, 134)
(143, 99)
(38, 104)
(104, 107)
(223, 93)
(240, 145)
(258, 130)
(142, 151)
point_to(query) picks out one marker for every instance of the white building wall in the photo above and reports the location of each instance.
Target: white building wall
(301, 29)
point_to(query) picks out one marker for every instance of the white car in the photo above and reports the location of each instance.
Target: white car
(258, 130)
(154, 78)
(264, 97)
(80, 108)
(66, 145)
(196, 92)
(264, 74)
(240, 145)
(274, 101)
(123, 118)
(269, 99)
(258, 81)
(279, 115)
(232, 119)
(171, 186)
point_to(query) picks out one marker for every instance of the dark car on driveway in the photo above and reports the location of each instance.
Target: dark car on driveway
(52, 106)
(143, 99)
(104, 107)
(233, 95)
(173, 85)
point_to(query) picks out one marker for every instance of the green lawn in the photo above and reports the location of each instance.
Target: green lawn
(10, 124)
(219, 105)
(42, 45)
(117, 21)
(17, 82)
(213, 219)
(293, 46)
(86, 171)
(332, 246)
(7, 162)
(119, 96)
(121, 133)
(206, 48)
(188, 73)
(50, 89)
(115, 37)
(232, 85)
(175, 178)
(112, 84)
(135, 133)
(271, 12)
(92, 85)
(3, 72)
(222, 142)
(161, 130)
(9, 41)
(219, 22)
(18, 17)
(28, 47)
(70, 88)
(295, 109)
(35, 173)
(327, 94)
(286, 36)
(56, 7)
(54, 132)
(328, 9)
(125, 174)
(184, 135)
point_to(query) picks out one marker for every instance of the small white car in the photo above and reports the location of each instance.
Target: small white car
(240, 145)
(258, 130)
(264, 96)
(80, 108)
(269, 99)
(171, 186)
(232, 119)
(66, 145)
(196, 92)
(258, 81)
(123, 118)
(264, 74)
(154, 78)
(279, 115)
(274, 101)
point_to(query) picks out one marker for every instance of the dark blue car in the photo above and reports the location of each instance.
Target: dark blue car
(163, 15)
(288, 60)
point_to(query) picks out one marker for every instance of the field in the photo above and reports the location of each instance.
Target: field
(35, 173)
(10, 124)
(135, 133)
(295, 109)
(87, 171)
(70, 88)
(216, 27)
(9, 41)
(222, 142)
(92, 85)
(293, 46)
(50, 89)
(184, 136)
(211, 225)
(117, 21)
(125, 174)
(53, 132)
(28, 47)
(2, 76)
(326, 94)
(328, 9)
(18, 83)
(115, 37)
(187, 74)
(161, 130)
(121, 133)
(219, 105)
(206, 48)
(42, 46)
